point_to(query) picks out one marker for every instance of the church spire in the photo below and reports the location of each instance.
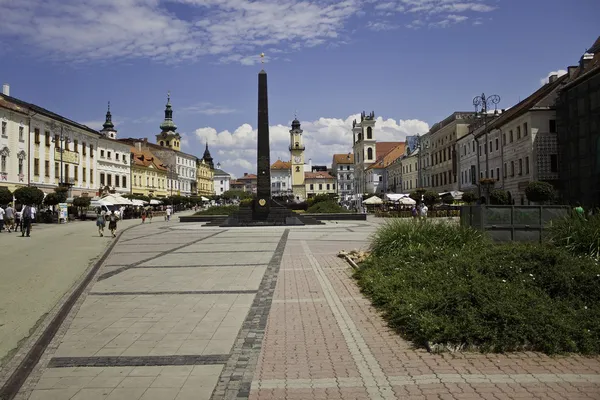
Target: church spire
(108, 125)
(168, 124)
(207, 157)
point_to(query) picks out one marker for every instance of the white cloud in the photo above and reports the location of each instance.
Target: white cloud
(172, 31)
(236, 151)
(560, 72)
(381, 26)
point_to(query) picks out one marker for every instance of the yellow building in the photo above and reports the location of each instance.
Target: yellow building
(297, 158)
(204, 177)
(148, 173)
(319, 183)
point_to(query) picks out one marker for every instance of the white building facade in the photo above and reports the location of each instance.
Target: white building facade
(365, 150)
(221, 181)
(14, 137)
(281, 179)
(114, 159)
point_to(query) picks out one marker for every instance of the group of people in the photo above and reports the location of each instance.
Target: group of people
(419, 211)
(112, 217)
(13, 220)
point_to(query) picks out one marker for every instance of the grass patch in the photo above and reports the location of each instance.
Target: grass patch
(219, 210)
(448, 285)
(577, 235)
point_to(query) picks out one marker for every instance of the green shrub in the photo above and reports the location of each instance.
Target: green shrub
(575, 234)
(443, 284)
(6, 196)
(499, 197)
(219, 210)
(540, 192)
(326, 207)
(431, 198)
(246, 202)
(470, 197)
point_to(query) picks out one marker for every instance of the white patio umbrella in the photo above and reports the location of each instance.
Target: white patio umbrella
(406, 201)
(117, 200)
(373, 200)
(155, 202)
(204, 198)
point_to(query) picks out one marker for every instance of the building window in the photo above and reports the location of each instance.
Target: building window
(312, 187)
(512, 168)
(498, 174)
(83, 149)
(36, 135)
(108, 155)
(36, 166)
(56, 170)
(117, 181)
(320, 186)
(527, 165)
(520, 166)
(66, 178)
(553, 163)
(84, 172)
(492, 173)
(102, 179)
(117, 156)
(505, 170)
(552, 126)
(101, 153)
(525, 129)
(75, 147)
(369, 133)
(510, 136)
(47, 138)
(490, 147)
(124, 181)
(518, 132)
(4, 128)
(497, 144)
(76, 172)
(47, 168)
(334, 186)
(3, 163)
(504, 139)
(91, 176)
(91, 151)
(109, 179)
(57, 141)
(369, 153)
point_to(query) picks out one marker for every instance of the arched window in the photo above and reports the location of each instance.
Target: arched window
(369, 153)
(297, 144)
(162, 143)
(297, 169)
(167, 142)
(369, 133)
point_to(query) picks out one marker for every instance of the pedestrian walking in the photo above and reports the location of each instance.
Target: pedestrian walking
(424, 210)
(143, 216)
(27, 217)
(169, 214)
(414, 212)
(579, 210)
(2, 213)
(9, 218)
(100, 221)
(112, 222)
(150, 216)
(19, 221)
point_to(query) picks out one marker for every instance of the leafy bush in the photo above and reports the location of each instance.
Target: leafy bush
(470, 197)
(246, 202)
(575, 234)
(447, 198)
(297, 206)
(29, 195)
(540, 192)
(416, 195)
(219, 210)
(499, 197)
(430, 198)
(323, 197)
(326, 207)
(443, 284)
(5, 196)
(52, 199)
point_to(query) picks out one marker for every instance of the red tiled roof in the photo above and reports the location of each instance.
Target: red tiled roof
(281, 165)
(247, 177)
(317, 175)
(145, 158)
(387, 158)
(385, 147)
(343, 158)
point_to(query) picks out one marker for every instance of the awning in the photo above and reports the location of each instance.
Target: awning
(155, 202)
(373, 200)
(204, 198)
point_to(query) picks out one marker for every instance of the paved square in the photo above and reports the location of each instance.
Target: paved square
(189, 312)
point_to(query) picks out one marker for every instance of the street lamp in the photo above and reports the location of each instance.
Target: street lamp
(63, 140)
(481, 104)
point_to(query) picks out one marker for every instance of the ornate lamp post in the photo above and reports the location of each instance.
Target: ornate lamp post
(63, 140)
(481, 104)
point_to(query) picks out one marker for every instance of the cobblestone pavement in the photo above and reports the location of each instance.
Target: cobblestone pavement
(186, 312)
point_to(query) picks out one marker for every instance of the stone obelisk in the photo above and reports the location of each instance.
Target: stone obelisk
(263, 159)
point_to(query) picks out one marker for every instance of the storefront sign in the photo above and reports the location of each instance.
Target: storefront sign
(69, 157)
(62, 211)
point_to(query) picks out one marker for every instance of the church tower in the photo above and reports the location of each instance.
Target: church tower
(168, 137)
(208, 158)
(365, 148)
(297, 155)
(108, 128)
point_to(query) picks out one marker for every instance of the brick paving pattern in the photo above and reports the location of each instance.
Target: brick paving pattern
(183, 312)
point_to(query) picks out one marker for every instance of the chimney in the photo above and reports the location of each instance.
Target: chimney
(6, 89)
(552, 78)
(571, 71)
(245, 174)
(138, 146)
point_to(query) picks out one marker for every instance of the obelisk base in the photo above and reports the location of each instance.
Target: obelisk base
(277, 215)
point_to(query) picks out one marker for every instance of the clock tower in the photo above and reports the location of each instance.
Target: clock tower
(297, 155)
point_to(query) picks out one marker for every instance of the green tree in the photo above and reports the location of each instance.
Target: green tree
(430, 198)
(417, 195)
(447, 198)
(6, 196)
(61, 194)
(540, 192)
(52, 199)
(470, 197)
(82, 201)
(29, 195)
(499, 197)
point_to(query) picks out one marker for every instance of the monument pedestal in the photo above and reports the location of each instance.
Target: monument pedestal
(275, 215)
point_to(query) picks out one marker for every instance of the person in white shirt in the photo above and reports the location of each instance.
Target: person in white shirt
(424, 210)
(169, 211)
(2, 212)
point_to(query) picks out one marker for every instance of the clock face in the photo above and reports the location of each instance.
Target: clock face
(297, 159)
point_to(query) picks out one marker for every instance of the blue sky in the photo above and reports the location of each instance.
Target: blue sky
(413, 62)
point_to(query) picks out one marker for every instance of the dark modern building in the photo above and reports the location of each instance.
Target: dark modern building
(578, 127)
